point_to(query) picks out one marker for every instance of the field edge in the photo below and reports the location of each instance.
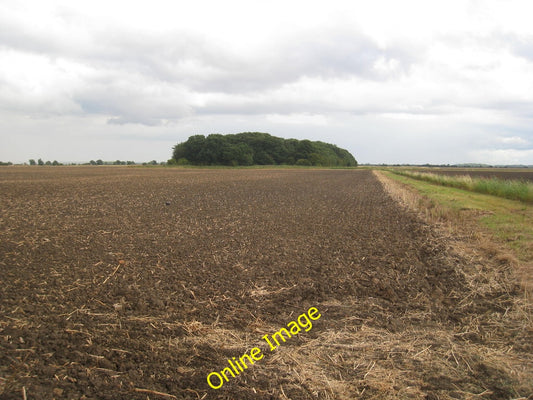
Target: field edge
(473, 217)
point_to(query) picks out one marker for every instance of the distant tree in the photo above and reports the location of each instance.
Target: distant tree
(48, 162)
(32, 161)
(263, 158)
(304, 149)
(99, 162)
(290, 160)
(303, 161)
(172, 161)
(153, 162)
(117, 162)
(240, 154)
(316, 159)
(55, 162)
(40, 162)
(191, 150)
(130, 162)
(92, 162)
(249, 148)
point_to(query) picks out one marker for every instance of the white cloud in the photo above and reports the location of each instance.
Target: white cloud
(300, 119)
(503, 157)
(513, 140)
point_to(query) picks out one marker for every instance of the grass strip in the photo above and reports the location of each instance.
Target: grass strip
(509, 221)
(506, 188)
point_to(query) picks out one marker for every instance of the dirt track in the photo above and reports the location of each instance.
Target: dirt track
(107, 292)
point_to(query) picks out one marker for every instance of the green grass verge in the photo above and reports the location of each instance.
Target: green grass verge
(510, 221)
(509, 189)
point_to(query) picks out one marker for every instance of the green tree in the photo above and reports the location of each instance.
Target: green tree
(40, 162)
(191, 149)
(304, 149)
(263, 158)
(249, 148)
(212, 149)
(99, 162)
(237, 154)
(304, 162)
(32, 161)
(316, 159)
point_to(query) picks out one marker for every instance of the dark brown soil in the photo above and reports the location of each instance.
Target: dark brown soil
(136, 283)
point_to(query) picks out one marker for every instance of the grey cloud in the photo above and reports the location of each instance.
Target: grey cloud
(133, 101)
(251, 106)
(184, 58)
(65, 39)
(316, 54)
(201, 67)
(148, 78)
(519, 45)
(519, 108)
(332, 54)
(18, 37)
(189, 60)
(523, 47)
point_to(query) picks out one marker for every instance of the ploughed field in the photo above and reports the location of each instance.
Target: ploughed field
(137, 283)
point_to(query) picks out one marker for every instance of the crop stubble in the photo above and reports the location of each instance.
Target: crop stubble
(109, 293)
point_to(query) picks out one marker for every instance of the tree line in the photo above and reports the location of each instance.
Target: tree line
(92, 162)
(41, 162)
(257, 148)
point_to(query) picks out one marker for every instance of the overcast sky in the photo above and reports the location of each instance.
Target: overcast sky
(391, 81)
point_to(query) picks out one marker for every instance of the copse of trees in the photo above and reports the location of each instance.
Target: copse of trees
(256, 148)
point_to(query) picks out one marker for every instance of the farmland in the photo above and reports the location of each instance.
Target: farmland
(524, 174)
(510, 187)
(136, 283)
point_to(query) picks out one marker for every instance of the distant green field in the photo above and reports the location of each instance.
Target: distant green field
(513, 186)
(522, 174)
